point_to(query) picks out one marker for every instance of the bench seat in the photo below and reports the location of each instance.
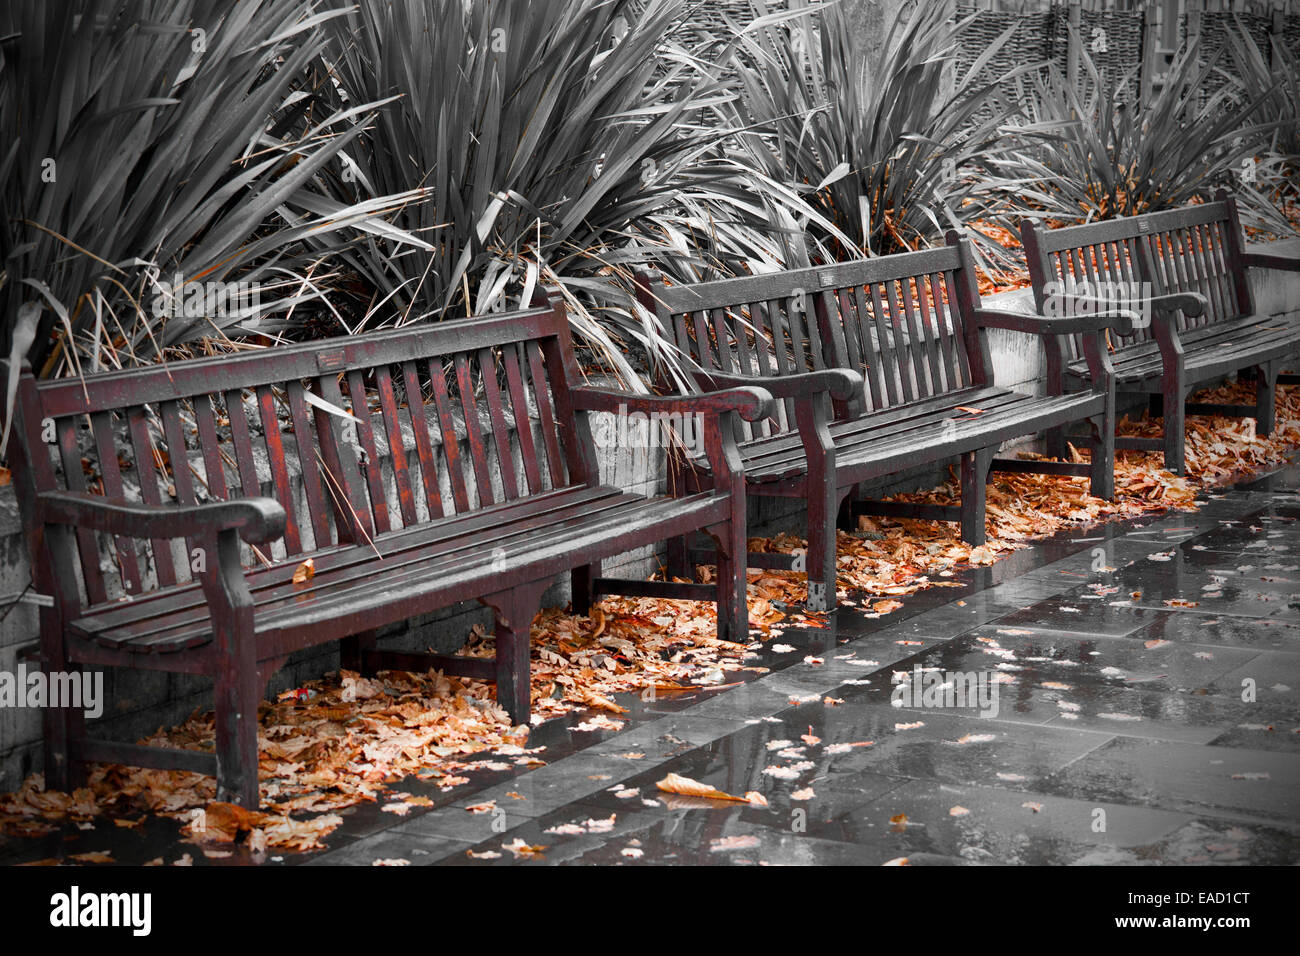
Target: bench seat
(920, 432)
(410, 572)
(1209, 352)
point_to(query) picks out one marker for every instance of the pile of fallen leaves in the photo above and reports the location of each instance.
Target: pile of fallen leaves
(332, 744)
(348, 739)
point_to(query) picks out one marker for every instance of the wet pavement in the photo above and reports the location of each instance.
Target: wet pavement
(1128, 695)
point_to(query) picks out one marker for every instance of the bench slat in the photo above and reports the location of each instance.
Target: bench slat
(474, 430)
(761, 360)
(371, 466)
(885, 339)
(396, 444)
(279, 469)
(309, 465)
(101, 424)
(948, 326)
(75, 476)
(249, 485)
(450, 436)
(523, 419)
(487, 363)
(546, 412)
(147, 476)
(182, 478)
(342, 474)
(782, 351)
(423, 445)
(214, 469)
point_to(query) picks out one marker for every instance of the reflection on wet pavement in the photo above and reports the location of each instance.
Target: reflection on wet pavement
(1127, 696)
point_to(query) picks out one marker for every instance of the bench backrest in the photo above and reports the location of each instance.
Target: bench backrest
(445, 395)
(1193, 249)
(899, 319)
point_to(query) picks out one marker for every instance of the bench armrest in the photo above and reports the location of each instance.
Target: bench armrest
(751, 403)
(256, 519)
(1270, 260)
(1188, 303)
(842, 383)
(1120, 321)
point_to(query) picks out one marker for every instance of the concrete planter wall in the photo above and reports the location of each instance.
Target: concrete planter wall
(138, 702)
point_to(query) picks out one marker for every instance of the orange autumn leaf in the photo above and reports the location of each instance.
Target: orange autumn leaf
(686, 787)
(304, 572)
(521, 849)
(94, 856)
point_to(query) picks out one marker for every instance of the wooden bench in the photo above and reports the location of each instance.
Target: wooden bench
(878, 366)
(136, 486)
(1185, 270)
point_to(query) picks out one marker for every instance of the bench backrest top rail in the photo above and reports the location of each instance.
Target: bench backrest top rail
(272, 366)
(1128, 227)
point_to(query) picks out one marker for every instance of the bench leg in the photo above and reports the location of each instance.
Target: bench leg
(1102, 467)
(733, 581)
(844, 519)
(1054, 440)
(823, 505)
(1265, 404)
(62, 772)
(583, 581)
(974, 478)
(513, 612)
(63, 726)
(1055, 444)
(239, 693)
(352, 652)
(1174, 425)
(678, 566)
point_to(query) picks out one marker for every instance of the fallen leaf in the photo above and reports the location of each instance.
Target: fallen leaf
(304, 572)
(726, 844)
(686, 787)
(522, 850)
